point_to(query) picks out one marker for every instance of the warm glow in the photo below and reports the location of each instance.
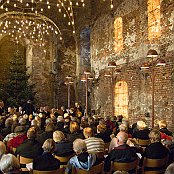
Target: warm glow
(154, 27)
(121, 99)
(118, 35)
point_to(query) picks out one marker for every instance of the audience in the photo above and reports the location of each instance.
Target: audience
(46, 162)
(9, 164)
(82, 159)
(142, 131)
(30, 148)
(62, 137)
(93, 144)
(62, 147)
(170, 169)
(155, 150)
(122, 152)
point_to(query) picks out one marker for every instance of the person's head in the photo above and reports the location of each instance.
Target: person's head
(8, 122)
(19, 129)
(58, 136)
(87, 132)
(162, 124)
(49, 145)
(9, 164)
(2, 149)
(22, 121)
(170, 169)
(48, 121)
(60, 118)
(101, 128)
(31, 133)
(141, 125)
(122, 138)
(123, 128)
(49, 127)
(74, 127)
(79, 146)
(154, 136)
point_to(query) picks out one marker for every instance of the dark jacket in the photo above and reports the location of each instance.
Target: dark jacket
(46, 162)
(64, 148)
(105, 136)
(72, 137)
(155, 151)
(30, 148)
(122, 153)
(166, 131)
(141, 134)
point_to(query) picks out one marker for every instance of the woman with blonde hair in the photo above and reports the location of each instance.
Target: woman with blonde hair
(47, 162)
(62, 146)
(74, 131)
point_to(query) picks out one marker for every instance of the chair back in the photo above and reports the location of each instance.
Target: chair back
(63, 160)
(125, 166)
(100, 155)
(97, 169)
(154, 163)
(58, 171)
(143, 143)
(23, 161)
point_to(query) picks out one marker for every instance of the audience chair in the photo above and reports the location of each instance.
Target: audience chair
(97, 169)
(142, 143)
(131, 166)
(23, 161)
(159, 165)
(58, 171)
(100, 155)
(63, 160)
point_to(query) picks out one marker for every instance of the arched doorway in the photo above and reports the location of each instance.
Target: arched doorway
(121, 99)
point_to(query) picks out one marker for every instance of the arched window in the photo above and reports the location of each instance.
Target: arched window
(153, 11)
(121, 98)
(118, 35)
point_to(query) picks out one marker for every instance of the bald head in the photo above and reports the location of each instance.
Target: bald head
(122, 137)
(2, 148)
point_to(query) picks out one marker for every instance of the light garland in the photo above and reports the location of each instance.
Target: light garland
(28, 25)
(21, 16)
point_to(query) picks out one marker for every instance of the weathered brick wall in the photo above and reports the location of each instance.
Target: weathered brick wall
(136, 46)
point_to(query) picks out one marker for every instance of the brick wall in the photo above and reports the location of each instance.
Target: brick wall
(136, 46)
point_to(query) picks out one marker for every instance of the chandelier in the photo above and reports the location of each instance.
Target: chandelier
(26, 18)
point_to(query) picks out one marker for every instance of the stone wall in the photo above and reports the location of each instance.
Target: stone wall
(136, 46)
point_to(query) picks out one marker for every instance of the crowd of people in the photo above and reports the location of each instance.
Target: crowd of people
(43, 134)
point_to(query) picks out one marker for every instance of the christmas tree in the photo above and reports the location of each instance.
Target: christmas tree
(16, 88)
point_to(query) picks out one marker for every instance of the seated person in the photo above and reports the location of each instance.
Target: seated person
(163, 128)
(46, 162)
(142, 131)
(82, 159)
(62, 147)
(93, 144)
(122, 152)
(103, 133)
(155, 150)
(170, 169)
(30, 148)
(9, 164)
(74, 131)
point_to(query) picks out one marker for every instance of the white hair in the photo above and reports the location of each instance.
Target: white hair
(9, 163)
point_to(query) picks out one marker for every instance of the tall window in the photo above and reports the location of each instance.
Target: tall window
(118, 34)
(154, 28)
(121, 98)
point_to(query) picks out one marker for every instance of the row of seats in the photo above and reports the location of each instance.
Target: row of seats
(97, 169)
